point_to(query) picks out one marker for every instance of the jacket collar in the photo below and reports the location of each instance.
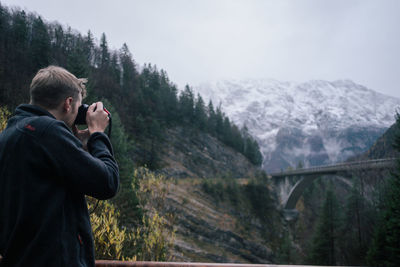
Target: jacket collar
(29, 110)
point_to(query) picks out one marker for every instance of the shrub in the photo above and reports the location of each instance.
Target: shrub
(4, 115)
(150, 240)
(109, 239)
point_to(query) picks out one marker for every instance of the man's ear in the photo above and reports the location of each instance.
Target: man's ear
(68, 104)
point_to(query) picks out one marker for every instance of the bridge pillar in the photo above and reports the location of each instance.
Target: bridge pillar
(290, 215)
(283, 187)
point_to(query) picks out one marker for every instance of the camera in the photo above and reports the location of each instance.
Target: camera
(81, 117)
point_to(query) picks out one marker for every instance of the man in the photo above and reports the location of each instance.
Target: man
(45, 172)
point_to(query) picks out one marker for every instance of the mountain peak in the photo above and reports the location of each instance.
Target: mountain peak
(330, 111)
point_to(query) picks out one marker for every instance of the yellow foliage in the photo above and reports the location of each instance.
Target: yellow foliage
(151, 240)
(4, 115)
(152, 189)
(155, 236)
(108, 237)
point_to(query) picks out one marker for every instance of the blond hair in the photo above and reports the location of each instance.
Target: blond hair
(53, 84)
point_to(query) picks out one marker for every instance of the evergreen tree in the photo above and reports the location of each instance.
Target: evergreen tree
(324, 247)
(19, 33)
(129, 97)
(129, 72)
(40, 44)
(237, 139)
(105, 54)
(186, 104)
(227, 132)
(251, 149)
(200, 116)
(357, 227)
(3, 23)
(88, 48)
(69, 40)
(115, 70)
(212, 119)
(256, 156)
(144, 95)
(285, 250)
(4, 35)
(153, 145)
(77, 60)
(170, 100)
(385, 247)
(155, 95)
(18, 58)
(219, 121)
(58, 54)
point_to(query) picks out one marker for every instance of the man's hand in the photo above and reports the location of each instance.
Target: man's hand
(82, 135)
(96, 118)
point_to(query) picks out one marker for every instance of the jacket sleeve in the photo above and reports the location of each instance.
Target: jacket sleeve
(94, 173)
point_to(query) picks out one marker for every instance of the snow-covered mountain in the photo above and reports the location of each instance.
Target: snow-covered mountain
(315, 123)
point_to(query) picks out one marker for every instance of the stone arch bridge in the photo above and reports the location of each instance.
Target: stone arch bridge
(307, 176)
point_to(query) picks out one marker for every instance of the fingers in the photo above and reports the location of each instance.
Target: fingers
(74, 129)
(96, 107)
(100, 106)
(97, 119)
(92, 107)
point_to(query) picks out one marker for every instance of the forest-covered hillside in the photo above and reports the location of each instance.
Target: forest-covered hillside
(146, 100)
(147, 110)
(351, 221)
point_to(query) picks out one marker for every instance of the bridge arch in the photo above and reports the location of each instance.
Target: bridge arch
(297, 191)
(307, 176)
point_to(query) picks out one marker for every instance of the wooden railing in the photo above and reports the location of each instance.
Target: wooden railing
(108, 263)
(104, 263)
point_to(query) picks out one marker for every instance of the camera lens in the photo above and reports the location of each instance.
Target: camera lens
(81, 117)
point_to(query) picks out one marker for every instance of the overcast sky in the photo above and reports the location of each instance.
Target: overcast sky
(203, 40)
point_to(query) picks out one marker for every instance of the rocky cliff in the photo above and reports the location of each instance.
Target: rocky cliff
(190, 153)
(211, 228)
(383, 147)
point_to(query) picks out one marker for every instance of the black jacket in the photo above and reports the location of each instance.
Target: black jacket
(44, 177)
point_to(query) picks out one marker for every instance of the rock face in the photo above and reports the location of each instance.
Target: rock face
(315, 123)
(207, 231)
(195, 154)
(383, 147)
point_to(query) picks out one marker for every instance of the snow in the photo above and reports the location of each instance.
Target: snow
(315, 107)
